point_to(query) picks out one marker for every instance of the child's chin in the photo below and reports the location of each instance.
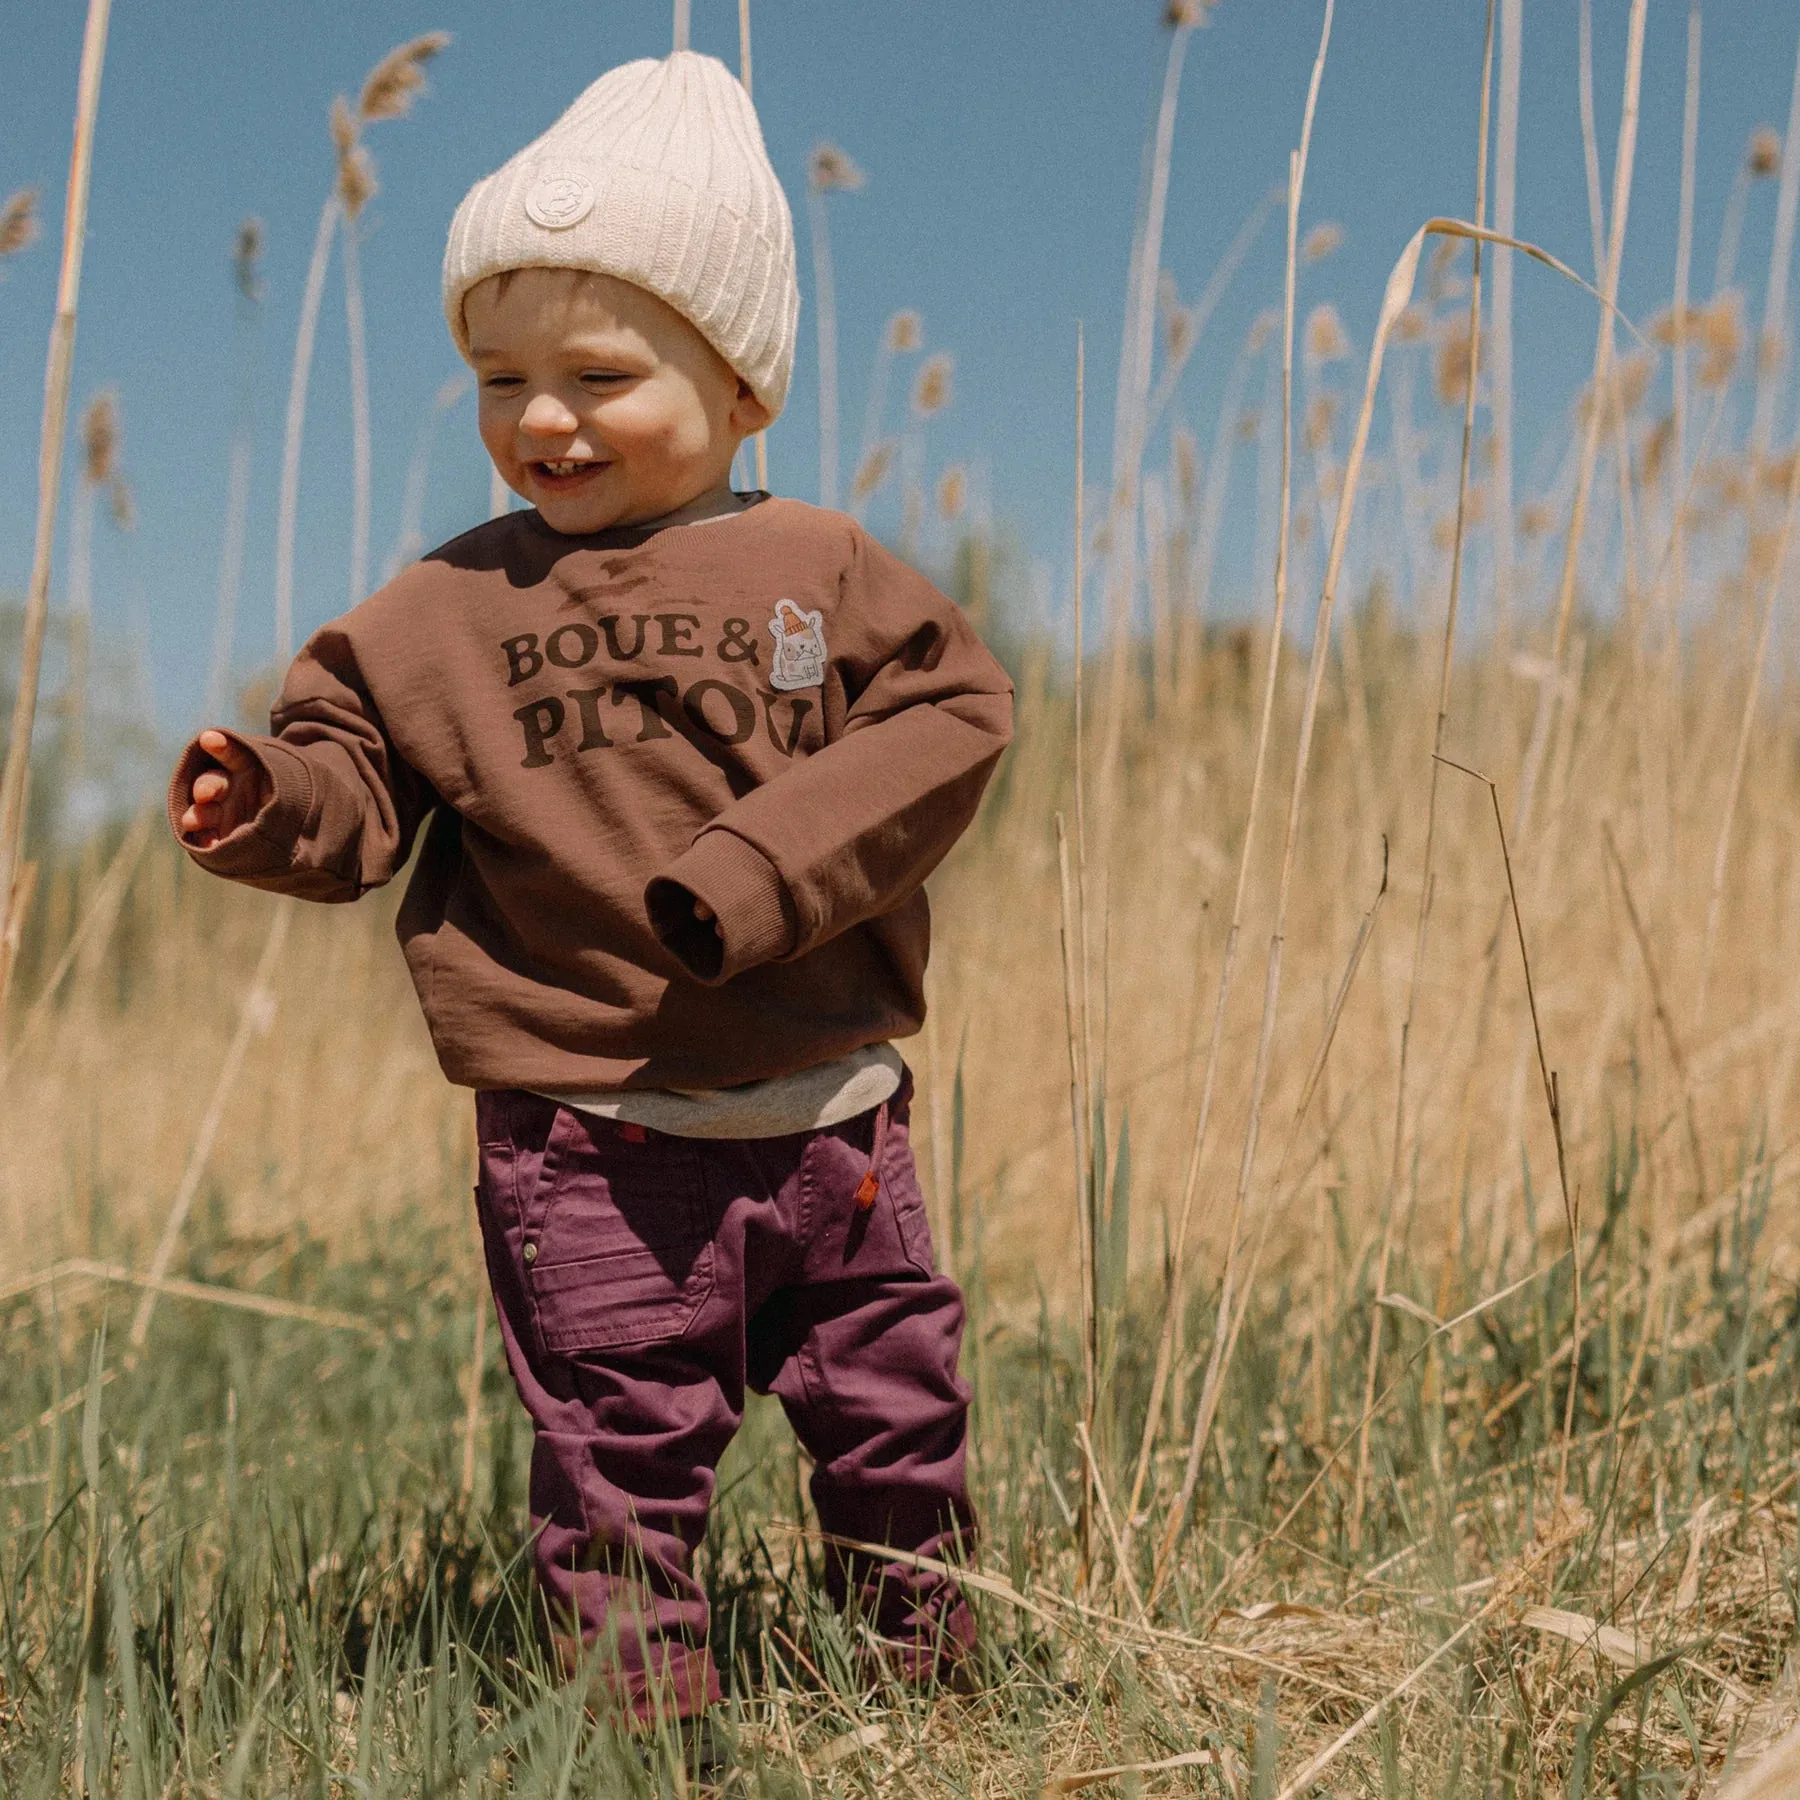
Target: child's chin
(575, 518)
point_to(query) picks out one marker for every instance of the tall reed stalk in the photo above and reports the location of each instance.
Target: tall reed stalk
(294, 428)
(1500, 379)
(1176, 1297)
(388, 92)
(1395, 301)
(245, 258)
(1597, 411)
(828, 171)
(1395, 1202)
(1772, 350)
(59, 365)
(1131, 406)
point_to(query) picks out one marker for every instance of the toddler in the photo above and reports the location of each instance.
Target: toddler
(679, 760)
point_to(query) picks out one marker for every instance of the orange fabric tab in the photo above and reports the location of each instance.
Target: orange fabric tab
(633, 1134)
(866, 1190)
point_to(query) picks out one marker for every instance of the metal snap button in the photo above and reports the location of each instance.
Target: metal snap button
(531, 1253)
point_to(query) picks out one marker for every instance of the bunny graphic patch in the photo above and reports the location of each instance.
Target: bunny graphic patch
(799, 647)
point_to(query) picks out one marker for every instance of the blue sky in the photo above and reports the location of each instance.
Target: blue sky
(1003, 146)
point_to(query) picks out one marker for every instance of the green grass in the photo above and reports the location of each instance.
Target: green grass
(245, 1566)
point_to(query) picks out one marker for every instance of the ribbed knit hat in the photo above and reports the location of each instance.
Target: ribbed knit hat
(657, 174)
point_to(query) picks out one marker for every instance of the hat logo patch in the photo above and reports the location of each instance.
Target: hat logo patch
(558, 199)
(799, 647)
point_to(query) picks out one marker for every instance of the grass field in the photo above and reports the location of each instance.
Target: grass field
(1375, 1189)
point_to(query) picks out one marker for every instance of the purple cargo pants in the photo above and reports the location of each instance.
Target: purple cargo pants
(642, 1281)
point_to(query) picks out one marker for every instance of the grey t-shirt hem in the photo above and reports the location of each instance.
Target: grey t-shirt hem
(808, 1100)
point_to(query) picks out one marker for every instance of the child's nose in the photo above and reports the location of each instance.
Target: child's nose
(547, 416)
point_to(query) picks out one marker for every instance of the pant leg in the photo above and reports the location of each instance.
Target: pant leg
(862, 1352)
(619, 1311)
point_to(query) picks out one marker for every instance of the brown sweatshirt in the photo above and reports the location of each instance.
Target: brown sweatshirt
(765, 711)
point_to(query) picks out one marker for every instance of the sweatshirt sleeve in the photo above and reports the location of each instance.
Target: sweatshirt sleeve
(855, 828)
(343, 805)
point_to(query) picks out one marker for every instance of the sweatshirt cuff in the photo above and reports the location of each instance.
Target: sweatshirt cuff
(754, 913)
(265, 840)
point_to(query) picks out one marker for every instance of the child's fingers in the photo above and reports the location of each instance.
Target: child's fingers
(226, 751)
(211, 785)
(703, 912)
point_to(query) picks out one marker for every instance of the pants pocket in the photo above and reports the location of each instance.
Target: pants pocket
(622, 1251)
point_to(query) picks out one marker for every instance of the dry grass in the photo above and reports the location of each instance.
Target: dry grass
(1463, 1520)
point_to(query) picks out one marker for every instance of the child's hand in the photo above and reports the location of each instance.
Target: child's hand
(706, 915)
(223, 798)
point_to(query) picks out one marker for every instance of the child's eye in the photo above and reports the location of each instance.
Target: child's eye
(501, 384)
(603, 378)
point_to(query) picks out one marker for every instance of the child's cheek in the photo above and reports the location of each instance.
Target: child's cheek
(496, 433)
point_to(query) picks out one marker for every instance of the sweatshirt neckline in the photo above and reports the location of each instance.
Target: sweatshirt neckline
(630, 537)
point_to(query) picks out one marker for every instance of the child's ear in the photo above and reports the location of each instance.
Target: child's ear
(749, 414)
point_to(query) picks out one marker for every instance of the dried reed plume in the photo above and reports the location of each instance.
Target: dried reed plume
(356, 180)
(1324, 339)
(1762, 155)
(953, 491)
(905, 332)
(1412, 326)
(398, 79)
(100, 438)
(18, 223)
(246, 259)
(831, 170)
(1321, 241)
(1321, 412)
(1450, 372)
(932, 391)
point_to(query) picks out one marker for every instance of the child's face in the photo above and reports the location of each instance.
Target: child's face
(600, 404)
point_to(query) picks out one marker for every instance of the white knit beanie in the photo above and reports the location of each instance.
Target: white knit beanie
(657, 174)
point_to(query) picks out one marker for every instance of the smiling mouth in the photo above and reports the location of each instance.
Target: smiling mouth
(565, 471)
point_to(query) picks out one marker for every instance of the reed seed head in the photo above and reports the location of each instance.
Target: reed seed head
(1248, 424)
(18, 223)
(1262, 328)
(1629, 382)
(1179, 332)
(1324, 339)
(829, 170)
(1762, 155)
(1320, 242)
(953, 491)
(246, 258)
(1443, 258)
(121, 503)
(1721, 338)
(1410, 325)
(1184, 459)
(1183, 15)
(356, 182)
(873, 470)
(905, 332)
(1535, 518)
(1659, 440)
(931, 392)
(1450, 374)
(399, 78)
(100, 438)
(1320, 416)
